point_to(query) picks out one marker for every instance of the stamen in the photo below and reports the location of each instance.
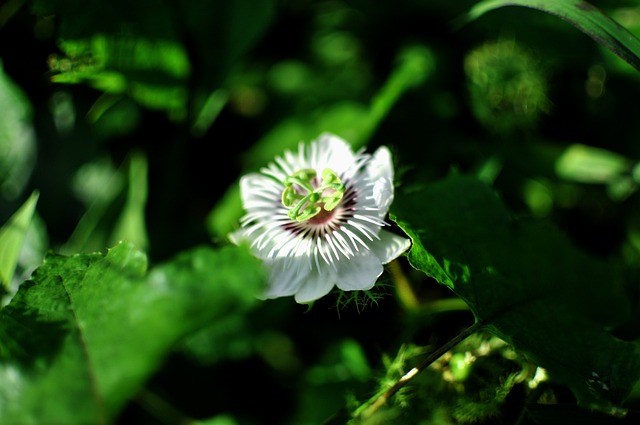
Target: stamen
(315, 197)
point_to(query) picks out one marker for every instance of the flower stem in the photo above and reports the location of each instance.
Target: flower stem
(405, 292)
(369, 409)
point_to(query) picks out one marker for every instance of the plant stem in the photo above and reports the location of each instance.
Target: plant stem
(383, 398)
(405, 293)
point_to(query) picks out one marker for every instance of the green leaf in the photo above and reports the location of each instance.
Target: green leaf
(12, 236)
(131, 225)
(587, 164)
(146, 49)
(153, 72)
(131, 49)
(527, 283)
(116, 211)
(81, 338)
(582, 15)
(17, 138)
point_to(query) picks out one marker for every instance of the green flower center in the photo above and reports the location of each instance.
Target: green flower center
(306, 196)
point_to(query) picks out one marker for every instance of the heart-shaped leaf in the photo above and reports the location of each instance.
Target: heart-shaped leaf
(527, 283)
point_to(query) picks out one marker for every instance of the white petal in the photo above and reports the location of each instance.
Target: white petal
(315, 286)
(285, 280)
(335, 153)
(250, 186)
(383, 196)
(380, 165)
(380, 172)
(296, 264)
(359, 273)
(389, 246)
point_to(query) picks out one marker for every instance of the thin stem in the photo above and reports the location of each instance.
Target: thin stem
(403, 286)
(382, 399)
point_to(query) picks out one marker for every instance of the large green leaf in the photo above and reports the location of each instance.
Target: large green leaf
(581, 14)
(80, 338)
(527, 283)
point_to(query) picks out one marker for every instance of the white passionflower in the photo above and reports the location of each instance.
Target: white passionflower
(316, 218)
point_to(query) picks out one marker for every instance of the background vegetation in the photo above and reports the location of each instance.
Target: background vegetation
(125, 125)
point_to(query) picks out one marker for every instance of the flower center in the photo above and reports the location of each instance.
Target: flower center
(306, 196)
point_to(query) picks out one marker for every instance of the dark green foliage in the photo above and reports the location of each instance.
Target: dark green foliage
(125, 127)
(527, 283)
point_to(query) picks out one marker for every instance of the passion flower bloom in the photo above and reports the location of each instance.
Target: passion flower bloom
(316, 219)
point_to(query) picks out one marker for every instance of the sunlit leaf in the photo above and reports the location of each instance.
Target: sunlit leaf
(81, 338)
(527, 282)
(12, 236)
(582, 15)
(587, 164)
(152, 72)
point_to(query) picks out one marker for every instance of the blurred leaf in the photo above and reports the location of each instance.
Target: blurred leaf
(153, 72)
(342, 369)
(90, 234)
(218, 420)
(220, 33)
(131, 225)
(344, 361)
(81, 338)
(527, 282)
(586, 164)
(582, 15)
(17, 138)
(12, 236)
(117, 205)
(34, 248)
(114, 116)
(121, 48)
(352, 121)
(346, 119)
(146, 49)
(210, 110)
(229, 338)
